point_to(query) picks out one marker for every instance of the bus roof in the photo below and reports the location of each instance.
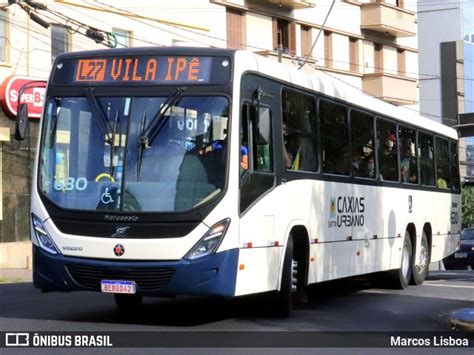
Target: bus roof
(319, 81)
(324, 83)
(150, 51)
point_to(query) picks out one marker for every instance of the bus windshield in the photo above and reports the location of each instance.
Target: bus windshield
(92, 157)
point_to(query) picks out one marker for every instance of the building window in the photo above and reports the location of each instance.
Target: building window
(3, 37)
(123, 37)
(306, 42)
(235, 29)
(401, 66)
(378, 58)
(284, 35)
(327, 49)
(354, 54)
(59, 41)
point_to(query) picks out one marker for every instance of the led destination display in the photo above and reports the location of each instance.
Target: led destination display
(142, 70)
(167, 69)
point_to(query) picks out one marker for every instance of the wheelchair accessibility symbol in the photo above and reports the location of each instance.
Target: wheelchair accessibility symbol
(106, 197)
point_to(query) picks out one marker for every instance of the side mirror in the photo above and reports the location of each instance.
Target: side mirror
(21, 127)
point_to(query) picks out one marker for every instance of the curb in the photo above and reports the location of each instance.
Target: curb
(9, 276)
(460, 325)
(463, 319)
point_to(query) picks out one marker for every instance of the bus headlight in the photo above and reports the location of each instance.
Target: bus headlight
(210, 241)
(44, 240)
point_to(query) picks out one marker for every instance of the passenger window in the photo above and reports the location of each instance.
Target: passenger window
(408, 159)
(299, 132)
(454, 162)
(255, 144)
(387, 150)
(244, 140)
(335, 138)
(426, 158)
(262, 142)
(442, 164)
(363, 160)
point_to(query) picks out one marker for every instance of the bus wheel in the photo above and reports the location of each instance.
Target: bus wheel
(400, 278)
(282, 304)
(128, 303)
(420, 268)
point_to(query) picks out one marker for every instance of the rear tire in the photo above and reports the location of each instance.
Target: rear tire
(282, 303)
(420, 268)
(400, 278)
(128, 303)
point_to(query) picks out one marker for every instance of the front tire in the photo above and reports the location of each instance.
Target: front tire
(420, 268)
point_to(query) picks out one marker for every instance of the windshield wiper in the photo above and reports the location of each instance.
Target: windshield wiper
(99, 112)
(140, 147)
(159, 120)
(112, 145)
(148, 134)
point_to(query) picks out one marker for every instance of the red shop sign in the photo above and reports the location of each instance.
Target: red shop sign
(33, 95)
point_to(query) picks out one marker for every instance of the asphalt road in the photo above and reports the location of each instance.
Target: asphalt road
(348, 305)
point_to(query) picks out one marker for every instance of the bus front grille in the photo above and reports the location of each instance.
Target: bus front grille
(147, 279)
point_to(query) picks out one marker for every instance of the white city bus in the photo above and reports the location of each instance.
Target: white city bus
(192, 171)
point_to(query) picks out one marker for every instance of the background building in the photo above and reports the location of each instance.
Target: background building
(446, 64)
(369, 44)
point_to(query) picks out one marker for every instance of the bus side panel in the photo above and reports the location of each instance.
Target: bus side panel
(445, 233)
(261, 246)
(258, 270)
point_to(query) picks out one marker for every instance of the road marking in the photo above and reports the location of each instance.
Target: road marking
(433, 282)
(452, 286)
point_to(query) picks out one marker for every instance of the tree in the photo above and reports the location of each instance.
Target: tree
(467, 206)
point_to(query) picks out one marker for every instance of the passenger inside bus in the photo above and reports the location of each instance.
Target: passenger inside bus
(441, 182)
(291, 149)
(244, 152)
(388, 159)
(408, 167)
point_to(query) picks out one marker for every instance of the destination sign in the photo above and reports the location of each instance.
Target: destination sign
(156, 69)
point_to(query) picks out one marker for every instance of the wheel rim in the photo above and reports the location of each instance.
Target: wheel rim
(294, 275)
(423, 259)
(405, 260)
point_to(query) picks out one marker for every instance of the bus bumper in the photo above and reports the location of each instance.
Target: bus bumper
(213, 275)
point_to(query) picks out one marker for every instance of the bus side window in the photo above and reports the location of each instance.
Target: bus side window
(299, 132)
(335, 138)
(443, 180)
(387, 150)
(262, 141)
(255, 144)
(426, 159)
(244, 140)
(362, 128)
(454, 163)
(408, 157)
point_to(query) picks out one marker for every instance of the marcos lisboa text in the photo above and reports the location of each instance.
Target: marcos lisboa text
(434, 341)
